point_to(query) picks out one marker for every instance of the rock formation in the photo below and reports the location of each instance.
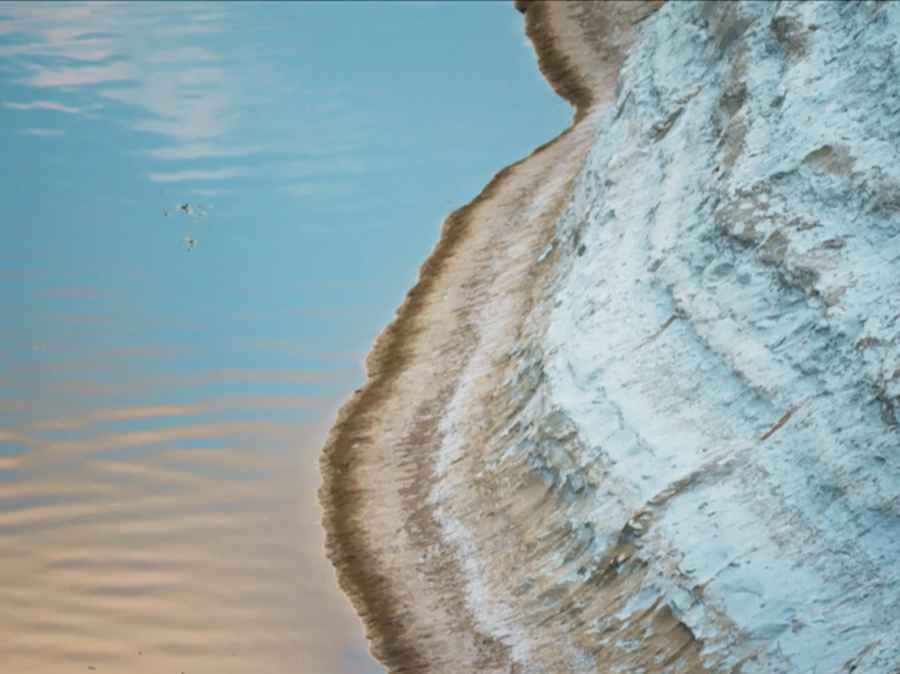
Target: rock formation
(640, 412)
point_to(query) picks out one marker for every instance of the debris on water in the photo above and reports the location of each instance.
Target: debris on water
(165, 213)
(197, 211)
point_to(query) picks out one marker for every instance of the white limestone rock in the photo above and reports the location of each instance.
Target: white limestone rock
(726, 329)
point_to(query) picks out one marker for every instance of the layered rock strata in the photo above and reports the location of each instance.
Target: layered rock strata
(640, 412)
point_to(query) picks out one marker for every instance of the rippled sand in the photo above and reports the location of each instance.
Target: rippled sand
(427, 538)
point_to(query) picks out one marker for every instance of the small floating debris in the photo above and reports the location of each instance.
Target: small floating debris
(190, 241)
(197, 211)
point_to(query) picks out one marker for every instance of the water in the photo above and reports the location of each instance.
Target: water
(208, 213)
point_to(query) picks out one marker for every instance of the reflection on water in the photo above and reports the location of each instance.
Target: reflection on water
(130, 548)
(209, 210)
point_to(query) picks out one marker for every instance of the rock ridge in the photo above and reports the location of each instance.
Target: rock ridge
(640, 412)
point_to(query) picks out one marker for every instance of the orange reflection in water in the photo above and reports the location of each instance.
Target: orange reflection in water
(138, 550)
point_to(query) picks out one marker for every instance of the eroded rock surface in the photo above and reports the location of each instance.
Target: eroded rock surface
(641, 411)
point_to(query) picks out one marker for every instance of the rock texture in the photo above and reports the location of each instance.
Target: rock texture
(641, 411)
(725, 339)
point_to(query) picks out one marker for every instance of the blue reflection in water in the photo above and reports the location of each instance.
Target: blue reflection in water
(209, 212)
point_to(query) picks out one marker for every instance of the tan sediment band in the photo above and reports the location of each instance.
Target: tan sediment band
(404, 578)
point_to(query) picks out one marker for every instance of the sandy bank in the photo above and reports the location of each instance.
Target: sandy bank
(408, 512)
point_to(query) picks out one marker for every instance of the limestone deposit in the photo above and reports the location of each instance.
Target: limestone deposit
(640, 413)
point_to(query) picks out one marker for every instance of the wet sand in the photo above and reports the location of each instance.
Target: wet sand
(438, 543)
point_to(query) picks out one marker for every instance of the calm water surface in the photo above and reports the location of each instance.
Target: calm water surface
(208, 213)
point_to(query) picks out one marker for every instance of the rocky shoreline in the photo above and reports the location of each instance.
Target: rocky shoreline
(639, 413)
(379, 464)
